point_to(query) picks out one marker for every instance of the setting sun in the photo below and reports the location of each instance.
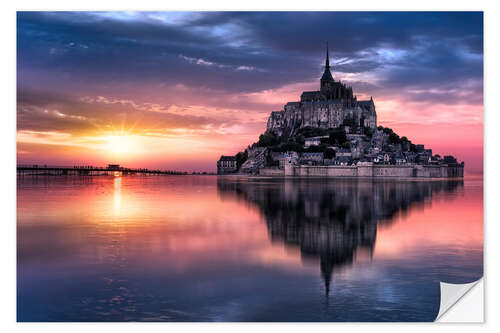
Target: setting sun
(120, 144)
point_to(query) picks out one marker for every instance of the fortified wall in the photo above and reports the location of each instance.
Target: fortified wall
(367, 169)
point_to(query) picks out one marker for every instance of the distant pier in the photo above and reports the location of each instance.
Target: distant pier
(89, 170)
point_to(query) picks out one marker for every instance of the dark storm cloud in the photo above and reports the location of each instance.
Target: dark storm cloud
(89, 48)
(350, 32)
(247, 52)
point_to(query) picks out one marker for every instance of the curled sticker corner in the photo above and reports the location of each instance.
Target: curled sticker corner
(451, 294)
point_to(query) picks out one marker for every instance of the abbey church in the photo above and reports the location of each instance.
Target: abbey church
(327, 108)
(329, 133)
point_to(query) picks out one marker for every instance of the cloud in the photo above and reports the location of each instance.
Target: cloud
(200, 61)
(51, 112)
(203, 62)
(81, 116)
(402, 48)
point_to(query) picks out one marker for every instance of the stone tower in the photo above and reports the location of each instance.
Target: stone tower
(327, 81)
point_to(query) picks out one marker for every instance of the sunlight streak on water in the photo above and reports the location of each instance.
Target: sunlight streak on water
(116, 195)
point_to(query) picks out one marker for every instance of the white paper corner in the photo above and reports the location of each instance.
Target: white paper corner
(461, 303)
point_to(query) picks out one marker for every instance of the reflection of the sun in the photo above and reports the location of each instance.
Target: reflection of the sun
(117, 182)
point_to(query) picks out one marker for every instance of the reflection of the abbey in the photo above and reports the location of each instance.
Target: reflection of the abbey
(331, 219)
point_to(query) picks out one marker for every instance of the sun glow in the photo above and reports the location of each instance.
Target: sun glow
(121, 144)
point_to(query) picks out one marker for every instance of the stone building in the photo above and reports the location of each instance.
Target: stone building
(314, 141)
(330, 107)
(311, 158)
(226, 164)
(289, 157)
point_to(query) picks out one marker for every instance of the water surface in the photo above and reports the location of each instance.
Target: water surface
(203, 248)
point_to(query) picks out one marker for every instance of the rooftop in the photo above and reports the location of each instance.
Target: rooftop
(227, 158)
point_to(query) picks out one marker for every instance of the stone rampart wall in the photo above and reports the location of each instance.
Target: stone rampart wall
(392, 171)
(398, 171)
(271, 172)
(326, 171)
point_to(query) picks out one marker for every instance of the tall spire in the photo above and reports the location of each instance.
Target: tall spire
(327, 75)
(327, 64)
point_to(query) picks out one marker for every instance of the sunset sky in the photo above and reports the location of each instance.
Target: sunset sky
(175, 90)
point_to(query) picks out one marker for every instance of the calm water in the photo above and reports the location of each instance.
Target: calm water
(202, 248)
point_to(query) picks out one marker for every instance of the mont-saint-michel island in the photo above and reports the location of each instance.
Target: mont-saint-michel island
(330, 133)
